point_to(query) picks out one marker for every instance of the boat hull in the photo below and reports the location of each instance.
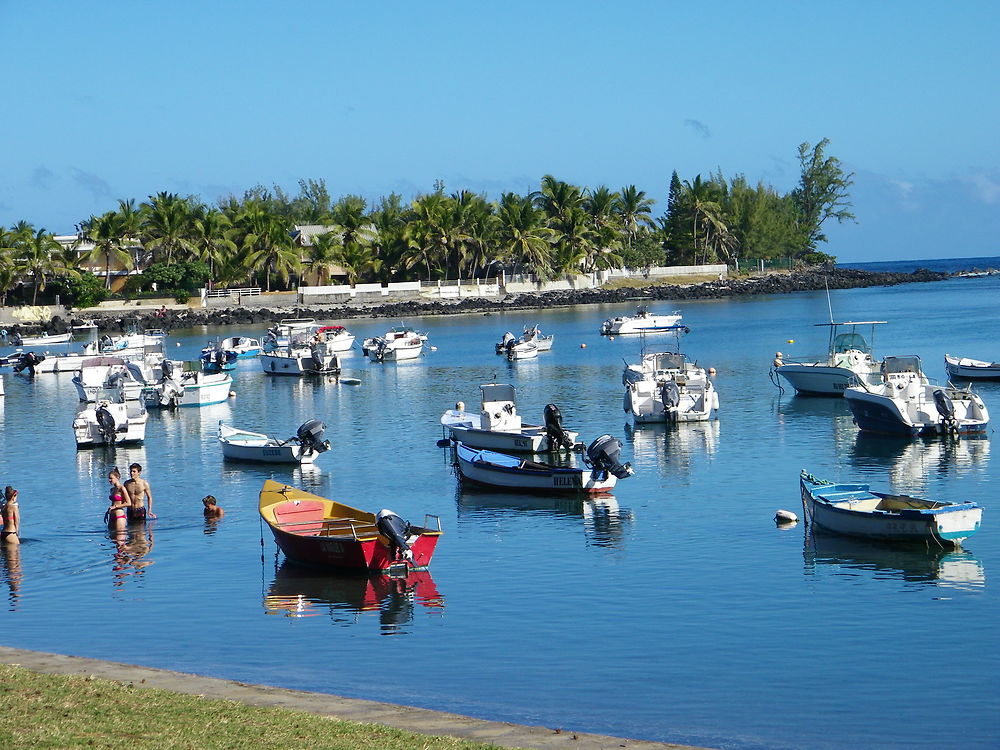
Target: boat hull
(130, 425)
(817, 379)
(968, 369)
(337, 536)
(276, 363)
(478, 466)
(948, 525)
(878, 413)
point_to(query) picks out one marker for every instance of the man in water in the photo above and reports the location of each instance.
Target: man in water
(139, 493)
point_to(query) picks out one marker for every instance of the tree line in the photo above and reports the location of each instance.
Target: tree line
(181, 242)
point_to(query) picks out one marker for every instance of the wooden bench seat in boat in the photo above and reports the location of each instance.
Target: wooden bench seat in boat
(306, 517)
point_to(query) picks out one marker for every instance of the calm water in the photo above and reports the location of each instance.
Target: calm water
(946, 265)
(675, 611)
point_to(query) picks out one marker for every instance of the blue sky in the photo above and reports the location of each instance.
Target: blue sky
(108, 100)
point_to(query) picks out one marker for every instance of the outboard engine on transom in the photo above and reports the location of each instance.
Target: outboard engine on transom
(310, 437)
(604, 455)
(946, 409)
(396, 530)
(554, 430)
(106, 424)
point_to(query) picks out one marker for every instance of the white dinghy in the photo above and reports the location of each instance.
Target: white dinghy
(971, 369)
(187, 386)
(303, 448)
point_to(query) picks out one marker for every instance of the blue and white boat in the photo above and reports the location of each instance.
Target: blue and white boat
(906, 402)
(187, 387)
(854, 510)
(849, 358)
(603, 470)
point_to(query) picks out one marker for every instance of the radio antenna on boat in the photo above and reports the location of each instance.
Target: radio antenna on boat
(829, 305)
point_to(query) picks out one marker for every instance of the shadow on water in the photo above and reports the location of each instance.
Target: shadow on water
(845, 556)
(298, 591)
(11, 574)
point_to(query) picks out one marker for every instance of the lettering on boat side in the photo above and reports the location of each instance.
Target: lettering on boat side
(570, 481)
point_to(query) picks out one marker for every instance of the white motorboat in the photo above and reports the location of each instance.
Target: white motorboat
(971, 369)
(128, 377)
(301, 358)
(642, 322)
(110, 421)
(281, 334)
(244, 346)
(336, 338)
(498, 426)
(534, 334)
(395, 346)
(849, 358)
(303, 448)
(906, 402)
(522, 350)
(603, 471)
(187, 386)
(666, 387)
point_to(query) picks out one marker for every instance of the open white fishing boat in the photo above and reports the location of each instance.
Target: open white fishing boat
(849, 357)
(303, 356)
(44, 339)
(906, 402)
(666, 387)
(522, 350)
(302, 448)
(602, 472)
(531, 335)
(971, 369)
(336, 338)
(187, 386)
(395, 346)
(498, 426)
(642, 322)
(110, 421)
(854, 510)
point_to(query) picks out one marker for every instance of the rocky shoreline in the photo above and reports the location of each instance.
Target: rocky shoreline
(776, 283)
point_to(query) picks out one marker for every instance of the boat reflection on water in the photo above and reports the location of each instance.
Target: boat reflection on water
(910, 462)
(132, 546)
(670, 448)
(816, 419)
(11, 574)
(604, 521)
(846, 556)
(187, 424)
(298, 591)
(97, 462)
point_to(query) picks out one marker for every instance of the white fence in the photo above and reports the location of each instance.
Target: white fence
(247, 291)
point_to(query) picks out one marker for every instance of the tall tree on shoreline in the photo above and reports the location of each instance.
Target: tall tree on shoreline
(822, 192)
(166, 227)
(107, 233)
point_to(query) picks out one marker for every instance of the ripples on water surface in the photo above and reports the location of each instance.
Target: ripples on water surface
(673, 611)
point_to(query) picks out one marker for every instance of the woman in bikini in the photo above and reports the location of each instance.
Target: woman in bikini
(116, 515)
(11, 516)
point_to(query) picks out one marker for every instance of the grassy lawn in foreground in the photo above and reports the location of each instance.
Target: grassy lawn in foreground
(57, 711)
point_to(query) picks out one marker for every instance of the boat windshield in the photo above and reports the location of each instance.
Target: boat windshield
(902, 364)
(497, 392)
(847, 341)
(669, 361)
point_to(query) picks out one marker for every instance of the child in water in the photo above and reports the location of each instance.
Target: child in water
(117, 513)
(212, 509)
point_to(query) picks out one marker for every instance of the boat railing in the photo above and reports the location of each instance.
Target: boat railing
(427, 522)
(354, 527)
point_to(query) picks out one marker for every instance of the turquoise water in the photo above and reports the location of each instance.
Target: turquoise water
(675, 611)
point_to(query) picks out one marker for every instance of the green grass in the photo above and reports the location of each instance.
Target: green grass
(57, 711)
(641, 283)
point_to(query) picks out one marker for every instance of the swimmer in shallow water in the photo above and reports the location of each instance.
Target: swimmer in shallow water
(11, 516)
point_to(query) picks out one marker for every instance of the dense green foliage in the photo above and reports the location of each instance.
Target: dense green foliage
(179, 242)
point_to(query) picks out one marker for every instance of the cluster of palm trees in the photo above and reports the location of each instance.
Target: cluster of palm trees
(559, 228)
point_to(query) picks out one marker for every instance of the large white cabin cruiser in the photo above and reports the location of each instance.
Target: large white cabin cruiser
(849, 357)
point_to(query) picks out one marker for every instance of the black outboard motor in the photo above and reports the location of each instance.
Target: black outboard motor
(310, 436)
(558, 437)
(105, 343)
(604, 455)
(505, 342)
(395, 529)
(946, 408)
(28, 361)
(166, 370)
(106, 424)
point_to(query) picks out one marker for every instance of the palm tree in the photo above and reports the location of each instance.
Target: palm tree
(268, 244)
(35, 258)
(8, 272)
(634, 209)
(521, 235)
(322, 255)
(107, 233)
(431, 232)
(356, 259)
(167, 226)
(211, 238)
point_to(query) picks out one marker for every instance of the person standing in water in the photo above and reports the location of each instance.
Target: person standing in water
(117, 513)
(11, 516)
(140, 495)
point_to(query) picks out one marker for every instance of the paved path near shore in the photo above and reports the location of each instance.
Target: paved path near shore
(419, 720)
